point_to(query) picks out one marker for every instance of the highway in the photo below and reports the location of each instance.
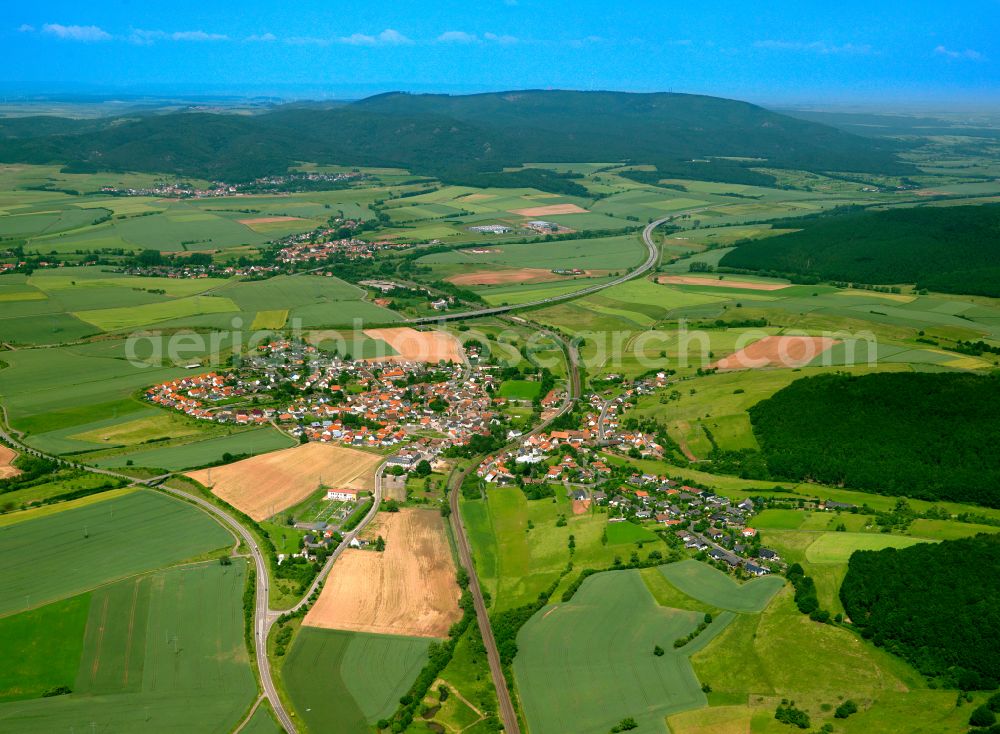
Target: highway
(652, 258)
(265, 617)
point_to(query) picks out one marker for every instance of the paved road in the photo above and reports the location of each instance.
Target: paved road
(602, 431)
(263, 618)
(652, 259)
(345, 543)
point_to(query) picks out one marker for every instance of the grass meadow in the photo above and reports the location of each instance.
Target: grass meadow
(599, 647)
(521, 549)
(161, 652)
(89, 544)
(351, 678)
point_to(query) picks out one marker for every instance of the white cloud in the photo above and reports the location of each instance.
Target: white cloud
(146, 37)
(818, 47)
(966, 54)
(264, 37)
(493, 37)
(457, 37)
(86, 33)
(25, 28)
(388, 37)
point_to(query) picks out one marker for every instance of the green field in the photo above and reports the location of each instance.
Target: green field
(36, 662)
(516, 562)
(711, 586)
(200, 453)
(627, 532)
(351, 678)
(99, 542)
(520, 389)
(160, 653)
(780, 653)
(838, 547)
(591, 662)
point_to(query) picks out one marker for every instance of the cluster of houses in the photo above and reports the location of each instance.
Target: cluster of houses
(544, 450)
(315, 247)
(267, 184)
(351, 402)
(186, 271)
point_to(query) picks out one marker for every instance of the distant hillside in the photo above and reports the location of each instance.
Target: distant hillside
(459, 138)
(949, 249)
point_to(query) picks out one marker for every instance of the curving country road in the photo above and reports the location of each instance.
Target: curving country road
(652, 258)
(264, 616)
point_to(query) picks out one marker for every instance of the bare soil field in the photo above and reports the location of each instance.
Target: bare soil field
(551, 209)
(267, 220)
(777, 351)
(581, 507)
(499, 277)
(408, 589)
(418, 346)
(7, 456)
(262, 486)
(716, 283)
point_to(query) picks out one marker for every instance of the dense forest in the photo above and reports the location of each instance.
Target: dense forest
(458, 138)
(936, 605)
(950, 249)
(930, 436)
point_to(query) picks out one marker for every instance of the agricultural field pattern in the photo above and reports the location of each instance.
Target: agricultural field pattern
(542, 411)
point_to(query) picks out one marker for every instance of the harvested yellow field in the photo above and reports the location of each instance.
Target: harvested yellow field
(408, 589)
(551, 209)
(7, 469)
(264, 485)
(418, 346)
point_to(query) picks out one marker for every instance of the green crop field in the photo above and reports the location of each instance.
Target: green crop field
(200, 453)
(350, 678)
(591, 661)
(42, 648)
(99, 542)
(520, 390)
(838, 547)
(606, 253)
(711, 586)
(160, 653)
(114, 319)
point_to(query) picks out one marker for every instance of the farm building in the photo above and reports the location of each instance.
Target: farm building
(345, 494)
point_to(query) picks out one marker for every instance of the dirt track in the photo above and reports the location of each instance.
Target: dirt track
(264, 485)
(409, 589)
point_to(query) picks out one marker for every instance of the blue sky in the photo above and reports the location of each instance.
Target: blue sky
(770, 50)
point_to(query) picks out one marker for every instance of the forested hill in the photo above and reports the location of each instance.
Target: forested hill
(936, 605)
(458, 137)
(931, 436)
(949, 249)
